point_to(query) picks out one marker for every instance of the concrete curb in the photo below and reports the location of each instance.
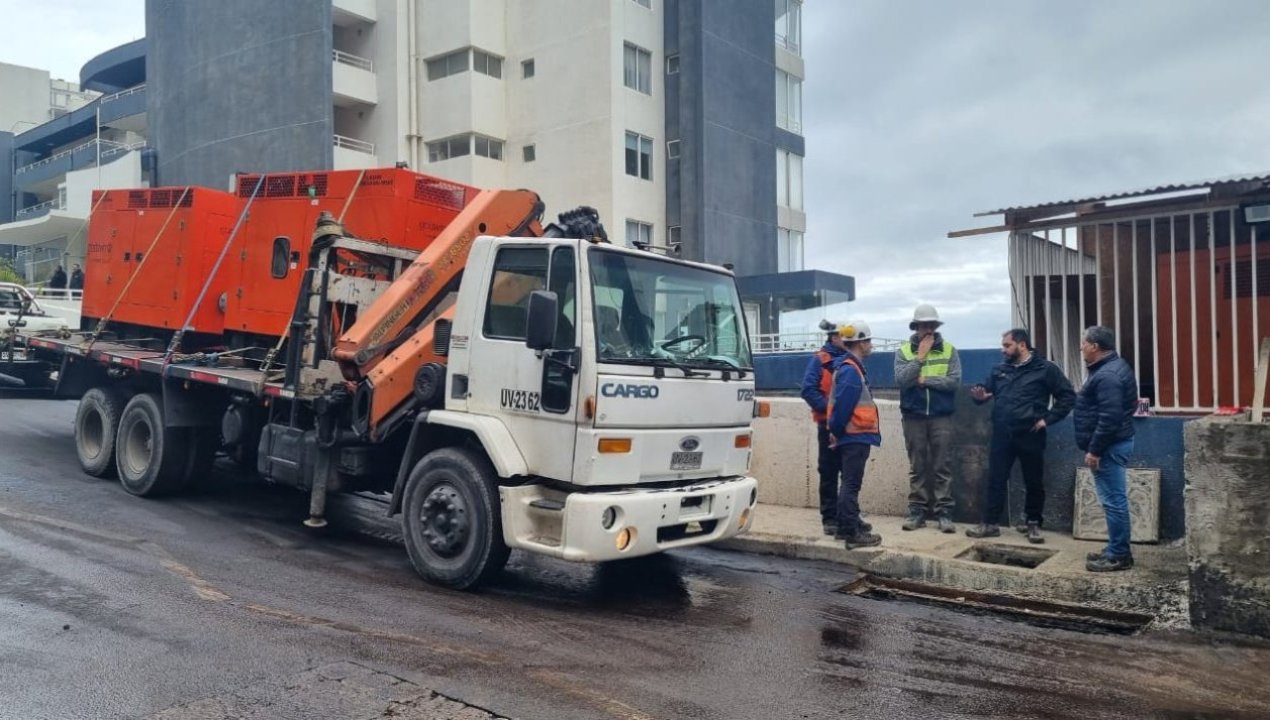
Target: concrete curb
(1161, 595)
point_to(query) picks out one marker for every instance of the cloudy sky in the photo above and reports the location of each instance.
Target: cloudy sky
(920, 113)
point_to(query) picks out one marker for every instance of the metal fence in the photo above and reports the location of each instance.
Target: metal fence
(1184, 292)
(801, 342)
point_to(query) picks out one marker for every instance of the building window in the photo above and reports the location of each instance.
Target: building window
(639, 156)
(460, 145)
(789, 179)
(672, 64)
(789, 24)
(672, 149)
(527, 69)
(489, 147)
(789, 102)
(529, 152)
(638, 234)
(448, 64)
(637, 69)
(674, 235)
(646, 3)
(487, 64)
(450, 147)
(789, 250)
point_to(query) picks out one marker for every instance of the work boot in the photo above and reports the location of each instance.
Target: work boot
(916, 519)
(1022, 528)
(984, 530)
(1107, 564)
(946, 524)
(1034, 533)
(864, 526)
(862, 538)
(831, 528)
(1089, 557)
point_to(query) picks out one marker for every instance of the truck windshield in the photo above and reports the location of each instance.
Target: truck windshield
(650, 309)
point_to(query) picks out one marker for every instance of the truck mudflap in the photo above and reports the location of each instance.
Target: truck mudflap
(598, 526)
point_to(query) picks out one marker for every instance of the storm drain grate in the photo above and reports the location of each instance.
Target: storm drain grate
(1012, 555)
(1041, 613)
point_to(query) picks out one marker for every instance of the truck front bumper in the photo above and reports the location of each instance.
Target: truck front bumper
(610, 525)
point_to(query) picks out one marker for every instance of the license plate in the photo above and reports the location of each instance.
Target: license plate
(685, 460)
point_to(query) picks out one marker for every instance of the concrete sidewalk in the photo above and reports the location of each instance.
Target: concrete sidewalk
(1157, 585)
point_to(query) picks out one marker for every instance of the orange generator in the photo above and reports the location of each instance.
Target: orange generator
(169, 239)
(402, 208)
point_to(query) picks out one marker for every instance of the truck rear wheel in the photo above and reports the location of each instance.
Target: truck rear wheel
(96, 424)
(151, 458)
(451, 520)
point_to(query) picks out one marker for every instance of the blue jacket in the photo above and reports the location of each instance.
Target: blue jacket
(1105, 405)
(853, 415)
(818, 380)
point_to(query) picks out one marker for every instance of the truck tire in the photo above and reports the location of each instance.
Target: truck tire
(451, 520)
(151, 458)
(96, 424)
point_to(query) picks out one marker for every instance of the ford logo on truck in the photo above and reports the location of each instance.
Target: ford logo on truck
(630, 391)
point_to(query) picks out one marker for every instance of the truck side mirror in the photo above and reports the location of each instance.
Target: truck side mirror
(540, 320)
(281, 261)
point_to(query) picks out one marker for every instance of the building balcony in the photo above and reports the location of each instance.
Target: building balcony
(38, 175)
(354, 154)
(353, 80)
(35, 211)
(351, 12)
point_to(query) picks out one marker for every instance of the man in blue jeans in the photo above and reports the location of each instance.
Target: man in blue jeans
(1104, 430)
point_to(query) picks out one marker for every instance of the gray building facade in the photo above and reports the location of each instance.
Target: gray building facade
(239, 86)
(721, 190)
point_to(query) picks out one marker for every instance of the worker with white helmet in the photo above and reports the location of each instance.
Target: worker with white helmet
(854, 429)
(928, 372)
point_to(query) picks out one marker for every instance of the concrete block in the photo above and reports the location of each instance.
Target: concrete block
(1090, 521)
(1228, 524)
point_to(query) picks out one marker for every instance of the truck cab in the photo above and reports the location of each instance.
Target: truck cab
(612, 390)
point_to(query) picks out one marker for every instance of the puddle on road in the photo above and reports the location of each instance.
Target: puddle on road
(1040, 613)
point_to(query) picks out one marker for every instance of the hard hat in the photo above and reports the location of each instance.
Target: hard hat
(855, 331)
(925, 313)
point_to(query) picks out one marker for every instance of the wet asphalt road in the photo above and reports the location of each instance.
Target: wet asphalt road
(223, 605)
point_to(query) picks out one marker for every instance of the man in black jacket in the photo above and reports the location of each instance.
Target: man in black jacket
(1023, 387)
(1104, 430)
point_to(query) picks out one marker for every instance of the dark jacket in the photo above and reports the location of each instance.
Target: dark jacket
(77, 280)
(1105, 406)
(818, 380)
(1023, 392)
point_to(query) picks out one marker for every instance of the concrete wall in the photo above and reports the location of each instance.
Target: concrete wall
(1228, 537)
(238, 85)
(785, 465)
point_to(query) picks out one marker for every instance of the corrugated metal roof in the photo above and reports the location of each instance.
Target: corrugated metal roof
(1157, 190)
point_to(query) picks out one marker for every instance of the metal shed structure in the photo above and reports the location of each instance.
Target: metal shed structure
(1181, 272)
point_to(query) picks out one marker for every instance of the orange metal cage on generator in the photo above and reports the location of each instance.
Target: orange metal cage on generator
(402, 208)
(169, 238)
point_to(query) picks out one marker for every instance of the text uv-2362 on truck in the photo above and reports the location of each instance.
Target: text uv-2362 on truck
(509, 385)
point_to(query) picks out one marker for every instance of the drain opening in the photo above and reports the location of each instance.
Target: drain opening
(1040, 613)
(1011, 555)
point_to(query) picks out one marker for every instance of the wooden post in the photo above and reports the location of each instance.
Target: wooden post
(1259, 387)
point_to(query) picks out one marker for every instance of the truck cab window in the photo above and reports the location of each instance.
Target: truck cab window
(517, 273)
(564, 282)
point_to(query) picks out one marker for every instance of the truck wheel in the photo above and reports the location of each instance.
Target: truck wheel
(151, 457)
(96, 423)
(451, 520)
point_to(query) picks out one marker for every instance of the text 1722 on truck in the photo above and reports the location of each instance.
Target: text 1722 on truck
(509, 385)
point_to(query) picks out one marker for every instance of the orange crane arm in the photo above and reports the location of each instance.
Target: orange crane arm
(389, 321)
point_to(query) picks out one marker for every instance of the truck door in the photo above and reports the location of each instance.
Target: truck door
(536, 399)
